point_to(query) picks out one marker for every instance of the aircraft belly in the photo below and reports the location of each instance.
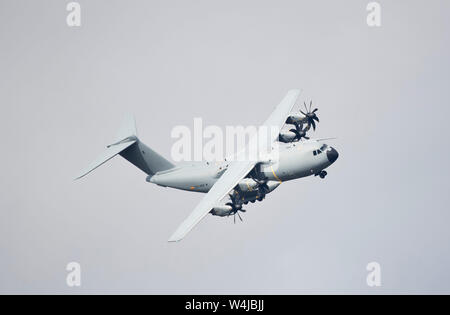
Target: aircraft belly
(199, 179)
(197, 183)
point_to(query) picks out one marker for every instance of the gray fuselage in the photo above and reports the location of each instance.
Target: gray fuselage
(295, 160)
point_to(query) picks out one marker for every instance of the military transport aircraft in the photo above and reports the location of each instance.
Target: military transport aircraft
(230, 184)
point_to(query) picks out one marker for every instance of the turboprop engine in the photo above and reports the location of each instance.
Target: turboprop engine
(246, 195)
(221, 211)
(287, 136)
(308, 117)
(248, 185)
(295, 118)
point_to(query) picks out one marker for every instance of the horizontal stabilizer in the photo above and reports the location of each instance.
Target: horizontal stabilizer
(127, 144)
(108, 154)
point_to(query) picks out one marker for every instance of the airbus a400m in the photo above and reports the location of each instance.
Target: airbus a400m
(229, 185)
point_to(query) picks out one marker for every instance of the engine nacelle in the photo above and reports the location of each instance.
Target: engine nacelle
(221, 211)
(273, 185)
(295, 119)
(287, 136)
(247, 185)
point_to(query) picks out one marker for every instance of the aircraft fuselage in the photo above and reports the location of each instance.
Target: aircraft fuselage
(296, 160)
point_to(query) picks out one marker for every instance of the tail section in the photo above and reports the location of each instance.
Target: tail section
(132, 149)
(145, 158)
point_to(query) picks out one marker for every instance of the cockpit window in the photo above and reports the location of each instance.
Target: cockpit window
(323, 147)
(315, 152)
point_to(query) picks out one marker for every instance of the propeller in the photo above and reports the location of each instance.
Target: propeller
(311, 116)
(299, 131)
(236, 206)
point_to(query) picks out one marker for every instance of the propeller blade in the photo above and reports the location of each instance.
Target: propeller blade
(316, 118)
(315, 110)
(313, 124)
(239, 216)
(234, 218)
(310, 104)
(302, 113)
(307, 138)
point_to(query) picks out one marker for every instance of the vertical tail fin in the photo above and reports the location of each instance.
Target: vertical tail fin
(127, 144)
(127, 129)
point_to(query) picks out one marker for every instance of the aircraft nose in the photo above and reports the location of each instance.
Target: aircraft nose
(332, 155)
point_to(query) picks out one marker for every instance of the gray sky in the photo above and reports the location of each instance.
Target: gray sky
(384, 92)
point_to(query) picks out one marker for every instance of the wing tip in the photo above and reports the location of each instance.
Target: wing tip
(174, 239)
(177, 236)
(80, 175)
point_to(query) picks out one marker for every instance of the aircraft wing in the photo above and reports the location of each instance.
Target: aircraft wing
(230, 178)
(278, 117)
(236, 170)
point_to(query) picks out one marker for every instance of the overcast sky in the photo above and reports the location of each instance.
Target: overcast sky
(383, 91)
